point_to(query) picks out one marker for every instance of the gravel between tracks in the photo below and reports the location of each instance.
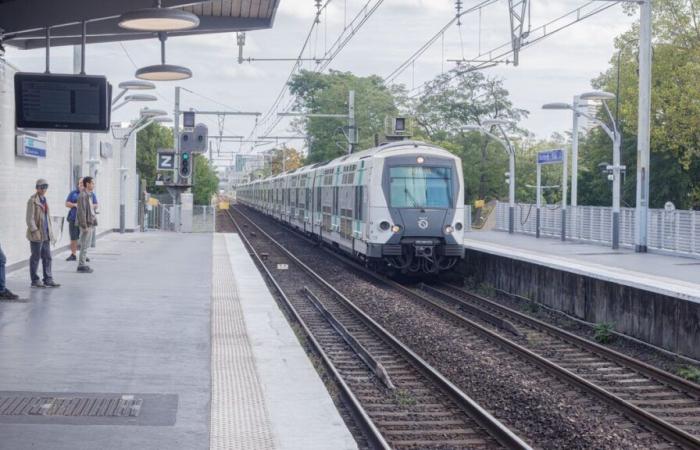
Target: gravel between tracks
(543, 410)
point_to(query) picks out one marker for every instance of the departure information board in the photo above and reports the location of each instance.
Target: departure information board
(62, 102)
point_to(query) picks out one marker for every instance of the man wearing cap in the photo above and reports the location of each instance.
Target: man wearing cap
(40, 235)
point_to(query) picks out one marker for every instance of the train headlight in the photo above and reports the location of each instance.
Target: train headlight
(449, 229)
(458, 226)
(420, 160)
(396, 228)
(384, 225)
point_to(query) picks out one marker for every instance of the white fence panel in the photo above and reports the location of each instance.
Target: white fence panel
(670, 231)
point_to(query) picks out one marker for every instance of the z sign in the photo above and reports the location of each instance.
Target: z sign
(166, 161)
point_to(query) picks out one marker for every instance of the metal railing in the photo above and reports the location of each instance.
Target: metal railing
(669, 231)
(166, 217)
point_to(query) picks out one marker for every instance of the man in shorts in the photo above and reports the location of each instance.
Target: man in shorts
(73, 228)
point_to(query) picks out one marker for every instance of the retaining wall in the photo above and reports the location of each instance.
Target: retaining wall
(664, 321)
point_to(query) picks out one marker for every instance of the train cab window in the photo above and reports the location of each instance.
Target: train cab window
(420, 187)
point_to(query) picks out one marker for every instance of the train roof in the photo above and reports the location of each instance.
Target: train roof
(364, 154)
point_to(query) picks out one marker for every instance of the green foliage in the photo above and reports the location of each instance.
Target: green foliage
(604, 332)
(675, 135)
(155, 136)
(456, 99)
(206, 182)
(328, 94)
(148, 141)
(690, 373)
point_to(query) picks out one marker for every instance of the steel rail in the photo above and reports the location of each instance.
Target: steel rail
(670, 379)
(370, 430)
(655, 423)
(483, 418)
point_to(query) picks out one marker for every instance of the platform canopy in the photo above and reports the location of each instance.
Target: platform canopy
(23, 22)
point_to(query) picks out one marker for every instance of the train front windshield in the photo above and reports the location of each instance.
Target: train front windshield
(420, 187)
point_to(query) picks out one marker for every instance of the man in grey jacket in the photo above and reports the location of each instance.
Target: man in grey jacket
(40, 235)
(86, 221)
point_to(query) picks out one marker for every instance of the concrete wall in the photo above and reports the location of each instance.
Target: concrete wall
(664, 321)
(64, 150)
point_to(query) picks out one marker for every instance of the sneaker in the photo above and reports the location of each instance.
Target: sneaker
(84, 269)
(87, 259)
(51, 284)
(38, 284)
(8, 295)
(72, 258)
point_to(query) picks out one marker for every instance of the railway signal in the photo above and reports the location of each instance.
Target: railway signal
(186, 164)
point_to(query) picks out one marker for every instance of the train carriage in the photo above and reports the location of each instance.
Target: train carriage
(399, 205)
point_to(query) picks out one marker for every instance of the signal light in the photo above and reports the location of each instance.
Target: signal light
(185, 165)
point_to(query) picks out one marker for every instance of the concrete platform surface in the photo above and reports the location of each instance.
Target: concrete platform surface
(663, 274)
(174, 342)
(267, 370)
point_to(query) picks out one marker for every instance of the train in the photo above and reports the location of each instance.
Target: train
(397, 207)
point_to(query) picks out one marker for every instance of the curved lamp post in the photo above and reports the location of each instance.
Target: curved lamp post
(614, 135)
(508, 146)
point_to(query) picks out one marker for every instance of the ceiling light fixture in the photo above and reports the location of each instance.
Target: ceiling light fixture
(163, 71)
(158, 19)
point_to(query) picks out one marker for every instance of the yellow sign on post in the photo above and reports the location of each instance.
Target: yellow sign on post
(478, 204)
(153, 201)
(223, 205)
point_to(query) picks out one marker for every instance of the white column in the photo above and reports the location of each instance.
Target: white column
(643, 126)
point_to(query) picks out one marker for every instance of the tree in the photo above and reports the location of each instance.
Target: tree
(459, 98)
(292, 160)
(675, 135)
(148, 141)
(328, 94)
(156, 136)
(206, 182)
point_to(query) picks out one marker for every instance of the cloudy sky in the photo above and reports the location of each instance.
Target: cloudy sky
(553, 69)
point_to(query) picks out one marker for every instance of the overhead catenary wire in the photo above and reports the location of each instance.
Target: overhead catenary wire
(350, 30)
(497, 54)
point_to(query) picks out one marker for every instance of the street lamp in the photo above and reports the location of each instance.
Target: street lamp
(135, 98)
(508, 146)
(614, 135)
(134, 85)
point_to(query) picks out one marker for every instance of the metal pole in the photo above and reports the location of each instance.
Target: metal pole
(538, 202)
(82, 53)
(574, 154)
(616, 192)
(122, 188)
(564, 193)
(511, 191)
(352, 132)
(176, 134)
(643, 127)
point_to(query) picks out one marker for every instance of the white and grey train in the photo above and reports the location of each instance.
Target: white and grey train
(399, 205)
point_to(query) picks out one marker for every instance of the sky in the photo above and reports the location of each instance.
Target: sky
(551, 70)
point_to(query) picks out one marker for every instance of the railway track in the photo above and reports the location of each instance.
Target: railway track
(661, 400)
(398, 400)
(656, 399)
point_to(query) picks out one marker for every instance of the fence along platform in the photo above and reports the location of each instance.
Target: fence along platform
(676, 232)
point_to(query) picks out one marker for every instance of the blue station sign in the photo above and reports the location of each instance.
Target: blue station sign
(31, 146)
(550, 156)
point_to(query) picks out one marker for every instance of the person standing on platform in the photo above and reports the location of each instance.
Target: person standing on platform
(73, 228)
(87, 221)
(5, 294)
(40, 235)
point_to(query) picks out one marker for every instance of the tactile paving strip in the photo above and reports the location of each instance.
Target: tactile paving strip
(239, 416)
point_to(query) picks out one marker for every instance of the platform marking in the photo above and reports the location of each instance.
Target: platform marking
(239, 416)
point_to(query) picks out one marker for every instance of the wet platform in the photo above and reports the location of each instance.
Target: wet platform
(674, 276)
(174, 342)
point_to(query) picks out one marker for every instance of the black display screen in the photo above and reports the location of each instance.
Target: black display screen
(62, 102)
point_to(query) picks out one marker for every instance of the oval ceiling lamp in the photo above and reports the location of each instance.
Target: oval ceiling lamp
(163, 71)
(158, 19)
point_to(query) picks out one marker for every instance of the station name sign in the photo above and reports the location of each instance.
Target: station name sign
(550, 156)
(30, 146)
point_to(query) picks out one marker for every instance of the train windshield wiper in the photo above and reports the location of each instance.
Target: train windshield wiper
(411, 198)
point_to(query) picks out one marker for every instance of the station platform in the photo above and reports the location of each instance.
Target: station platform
(674, 276)
(174, 342)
